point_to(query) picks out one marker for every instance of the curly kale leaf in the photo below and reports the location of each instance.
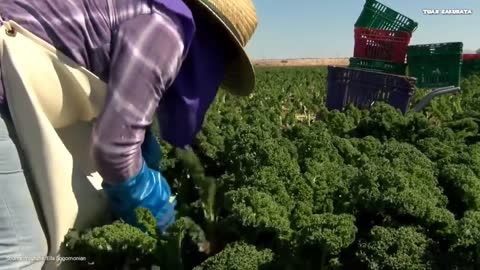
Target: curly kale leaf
(383, 122)
(462, 187)
(249, 153)
(330, 232)
(401, 181)
(313, 143)
(340, 123)
(330, 183)
(468, 231)
(396, 249)
(112, 244)
(239, 256)
(147, 221)
(267, 180)
(258, 210)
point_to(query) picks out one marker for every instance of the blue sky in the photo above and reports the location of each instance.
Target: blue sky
(324, 28)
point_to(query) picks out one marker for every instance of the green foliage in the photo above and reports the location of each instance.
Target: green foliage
(257, 210)
(395, 249)
(239, 256)
(275, 181)
(116, 244)
(332, 233)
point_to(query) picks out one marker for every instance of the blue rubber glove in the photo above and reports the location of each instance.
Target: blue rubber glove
(147, 189)
(151, 151)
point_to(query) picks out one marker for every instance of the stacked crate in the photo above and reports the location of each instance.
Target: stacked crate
(471, 64)
(384, 68)
(363, 88)
(382, 36)
(377, 69)
(435, 65)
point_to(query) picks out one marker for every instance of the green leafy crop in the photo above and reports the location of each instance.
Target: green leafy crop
(275, 181)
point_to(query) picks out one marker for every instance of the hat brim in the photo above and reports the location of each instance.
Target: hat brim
(239, 71)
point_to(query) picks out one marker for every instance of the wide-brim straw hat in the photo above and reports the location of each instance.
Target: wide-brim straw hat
(239, 19)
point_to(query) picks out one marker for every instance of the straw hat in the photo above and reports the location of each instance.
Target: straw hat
(239, 18)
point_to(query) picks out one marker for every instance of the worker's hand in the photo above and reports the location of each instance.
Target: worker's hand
(147, 189)
(151, 151)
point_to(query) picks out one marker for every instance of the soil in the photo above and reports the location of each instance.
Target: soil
(302, 62)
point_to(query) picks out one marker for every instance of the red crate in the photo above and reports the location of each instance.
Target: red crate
(380, 44)
(471, 56)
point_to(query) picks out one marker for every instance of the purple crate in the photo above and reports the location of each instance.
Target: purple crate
(363, 88)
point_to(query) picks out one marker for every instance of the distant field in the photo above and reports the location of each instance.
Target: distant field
(302, 62)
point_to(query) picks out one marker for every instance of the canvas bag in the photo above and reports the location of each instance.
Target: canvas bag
(53, 101)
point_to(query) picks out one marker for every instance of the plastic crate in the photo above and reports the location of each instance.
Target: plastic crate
(435, 65)
(378, 65)
(380, 44)
(363, 88)
(470, 57)
(471, 64)
(377, 15)
(471, 67)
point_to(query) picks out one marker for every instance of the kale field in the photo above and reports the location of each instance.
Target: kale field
(278, 182)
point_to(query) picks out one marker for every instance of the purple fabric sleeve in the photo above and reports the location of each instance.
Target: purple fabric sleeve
(136, 46)
(146, 56)
(140, 48)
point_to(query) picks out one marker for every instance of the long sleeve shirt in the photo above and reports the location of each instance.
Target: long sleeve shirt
(136, 46)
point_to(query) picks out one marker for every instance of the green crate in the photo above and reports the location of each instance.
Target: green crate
(450, 48)
(378, 65)
(435, 65)
(377, 15)
(471, 67)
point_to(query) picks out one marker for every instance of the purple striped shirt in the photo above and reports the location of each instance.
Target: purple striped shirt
(136, 46)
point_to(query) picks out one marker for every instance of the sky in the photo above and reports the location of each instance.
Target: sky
(325, 28)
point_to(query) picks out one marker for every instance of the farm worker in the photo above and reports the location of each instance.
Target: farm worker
(159, 58)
